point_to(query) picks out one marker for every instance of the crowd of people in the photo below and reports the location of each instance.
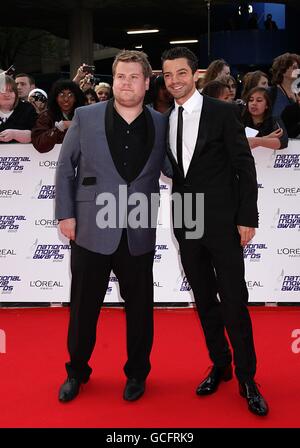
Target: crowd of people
(271, 106)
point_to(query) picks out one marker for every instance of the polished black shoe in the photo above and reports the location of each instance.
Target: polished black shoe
(134, 389)
(69, 390)
(212, 381)
(256, 402)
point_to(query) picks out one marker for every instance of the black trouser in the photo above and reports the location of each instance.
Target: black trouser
(216, 265)
(90, 277)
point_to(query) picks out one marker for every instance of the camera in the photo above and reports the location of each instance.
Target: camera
(10, 71)
(88, 69)
(39, 97)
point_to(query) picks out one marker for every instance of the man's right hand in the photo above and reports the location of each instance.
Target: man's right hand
(67, 228)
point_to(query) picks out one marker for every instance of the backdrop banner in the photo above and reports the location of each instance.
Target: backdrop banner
(35, 257)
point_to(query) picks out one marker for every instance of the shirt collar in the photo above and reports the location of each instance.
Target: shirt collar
(194, 103)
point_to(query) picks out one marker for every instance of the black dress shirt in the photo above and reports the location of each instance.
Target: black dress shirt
(129, 148)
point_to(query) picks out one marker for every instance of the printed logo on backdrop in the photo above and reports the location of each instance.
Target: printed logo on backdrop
(53, 252)
(45, 284)
(287, 191)
(287, 161)
(260, 186)
(163, 187)
(289, 221)
(112, 279)
(7, 252)
(46, 223)
(11, 223)
(157, 285)
(291, 252)
(43, 191)
(159, 250)
(50, 164)
(185, 286)
(254, 284)
(10, 194)
(253, 252)
(8, 282)
(291, 283)
(14, 164)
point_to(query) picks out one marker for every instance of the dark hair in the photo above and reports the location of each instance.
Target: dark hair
(214, 88)
(250, 80)
(247, 119)
(91, 92)
(281, 64)
(181, 52)
(58, 87)
(25, 75)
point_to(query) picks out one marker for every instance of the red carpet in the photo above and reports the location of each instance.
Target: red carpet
(32, 370)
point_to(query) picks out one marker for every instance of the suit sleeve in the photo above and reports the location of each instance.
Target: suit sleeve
(243, 167)
(65, 185)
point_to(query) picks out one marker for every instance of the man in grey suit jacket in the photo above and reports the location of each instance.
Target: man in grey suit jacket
(110, 160)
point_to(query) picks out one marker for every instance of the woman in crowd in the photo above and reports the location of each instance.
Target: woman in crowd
(254, 79)
(91, 97)
(258, 115)
(217, 89)
(103, 90)
(16, 117)
(52, 125)
(217, 69)
(283, 74)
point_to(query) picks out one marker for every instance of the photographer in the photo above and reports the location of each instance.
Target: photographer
(38, 98)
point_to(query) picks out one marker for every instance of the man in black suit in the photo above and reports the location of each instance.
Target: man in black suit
(210, 154)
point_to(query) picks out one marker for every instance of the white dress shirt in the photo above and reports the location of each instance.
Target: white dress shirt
(191, 119)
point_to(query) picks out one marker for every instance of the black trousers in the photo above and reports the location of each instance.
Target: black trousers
(90, 277)
(216, 265)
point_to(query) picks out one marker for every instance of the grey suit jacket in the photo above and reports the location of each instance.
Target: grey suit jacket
(86, 177)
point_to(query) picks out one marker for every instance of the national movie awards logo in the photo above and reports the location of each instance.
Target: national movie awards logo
(289, 221)
(8, 282)
(253, 252)
(291, 283)
(287, 161)
(53, 252)
(14, 164)
(112, 280)
(11, 222)
(43, 191)
(159, 249)
(185, 286)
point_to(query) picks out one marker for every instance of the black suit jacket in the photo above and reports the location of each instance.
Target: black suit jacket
(222, 167)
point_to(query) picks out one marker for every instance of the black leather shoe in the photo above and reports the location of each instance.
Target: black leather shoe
(69, 390)
(134, 389)
(256, 402)
(212, 381)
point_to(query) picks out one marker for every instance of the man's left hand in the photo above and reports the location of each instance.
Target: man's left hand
(246, 234)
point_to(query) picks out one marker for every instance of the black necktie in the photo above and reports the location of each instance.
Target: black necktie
(179, 138)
